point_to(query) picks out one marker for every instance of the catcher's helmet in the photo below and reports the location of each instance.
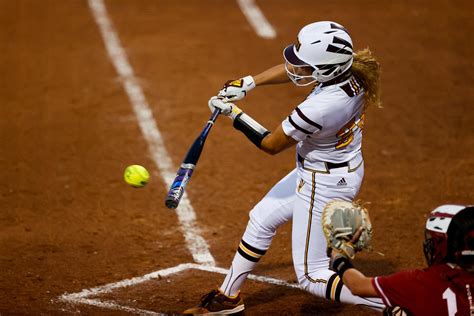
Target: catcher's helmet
(324, 46)
(449, 235)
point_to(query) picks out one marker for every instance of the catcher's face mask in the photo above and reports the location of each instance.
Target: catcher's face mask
(428, 248)
(435, 246)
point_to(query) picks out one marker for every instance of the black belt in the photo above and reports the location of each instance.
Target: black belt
(329, 165)
(332, 165)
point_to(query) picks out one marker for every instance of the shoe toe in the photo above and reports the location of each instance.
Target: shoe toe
(196, 311)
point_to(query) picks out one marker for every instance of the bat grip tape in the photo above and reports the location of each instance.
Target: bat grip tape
(251, 128)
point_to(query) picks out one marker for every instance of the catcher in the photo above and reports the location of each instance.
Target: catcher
(446, 284)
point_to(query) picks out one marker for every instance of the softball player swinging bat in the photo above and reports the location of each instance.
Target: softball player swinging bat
(327, 131)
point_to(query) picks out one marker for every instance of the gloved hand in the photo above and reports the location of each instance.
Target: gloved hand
(347, 227)
(235, 90)
(217, 103)
(346, 249)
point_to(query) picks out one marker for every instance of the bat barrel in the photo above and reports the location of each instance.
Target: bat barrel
(185, 172)
(176, 190)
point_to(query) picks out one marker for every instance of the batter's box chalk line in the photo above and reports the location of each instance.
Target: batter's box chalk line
(83, 297)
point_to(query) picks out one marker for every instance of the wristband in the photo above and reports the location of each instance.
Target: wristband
(249, 83)
(235, 111)
(247, 125)
(341, 264)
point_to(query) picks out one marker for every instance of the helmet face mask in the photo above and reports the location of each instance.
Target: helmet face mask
(435, 247)
(324, 46)
(443, 222)
(300, 75)
(428, 249)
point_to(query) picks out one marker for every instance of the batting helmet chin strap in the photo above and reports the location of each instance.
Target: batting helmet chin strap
(343, 77)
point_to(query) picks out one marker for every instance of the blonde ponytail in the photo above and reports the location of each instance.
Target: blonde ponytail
(367, 69)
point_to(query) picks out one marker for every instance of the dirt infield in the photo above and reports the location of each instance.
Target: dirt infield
(68, 222)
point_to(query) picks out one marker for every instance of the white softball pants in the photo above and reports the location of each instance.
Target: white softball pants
(301, 195)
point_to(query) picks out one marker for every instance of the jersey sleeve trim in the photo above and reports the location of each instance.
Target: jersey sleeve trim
(306, 119)
(290, 131)
(352, 88)
(379, 290)
(298, 127)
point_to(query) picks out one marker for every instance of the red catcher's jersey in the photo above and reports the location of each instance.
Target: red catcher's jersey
(437, 290)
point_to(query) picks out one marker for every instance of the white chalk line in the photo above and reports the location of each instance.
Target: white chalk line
(126, 283)
(115, 306)
(83, 296)
(187, 217)
(257, 20)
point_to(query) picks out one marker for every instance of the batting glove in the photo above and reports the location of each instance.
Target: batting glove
(227, 108)
(235, 90)
(217, 103)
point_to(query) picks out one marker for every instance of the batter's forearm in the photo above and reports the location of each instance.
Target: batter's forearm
(274, 75)
(277, 141)
(271, 143)
(247, 125)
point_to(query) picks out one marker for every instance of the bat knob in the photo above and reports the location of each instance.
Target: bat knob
(174, 195)
(171, 203)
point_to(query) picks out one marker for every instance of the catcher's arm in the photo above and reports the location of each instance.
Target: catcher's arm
(355, 280)
(358, 283)
(347, 229)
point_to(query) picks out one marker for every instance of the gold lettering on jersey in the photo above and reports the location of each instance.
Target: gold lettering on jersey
(360, 122)
(346, 133)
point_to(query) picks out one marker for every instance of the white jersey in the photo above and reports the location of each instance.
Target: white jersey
(328, 124)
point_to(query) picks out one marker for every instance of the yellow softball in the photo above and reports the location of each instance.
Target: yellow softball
(137, 176)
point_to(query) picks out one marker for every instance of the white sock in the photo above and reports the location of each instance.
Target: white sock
(371, 302)
(245, 259)
(327, 284)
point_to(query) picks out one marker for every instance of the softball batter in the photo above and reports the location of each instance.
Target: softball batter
(327, 131)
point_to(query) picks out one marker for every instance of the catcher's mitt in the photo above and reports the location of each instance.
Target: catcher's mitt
(343, 222)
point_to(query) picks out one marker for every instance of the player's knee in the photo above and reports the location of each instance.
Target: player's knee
(304, 282)
(312, 285)
(260, 222)
(316, 281)
(257, 234)
(302, 278)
